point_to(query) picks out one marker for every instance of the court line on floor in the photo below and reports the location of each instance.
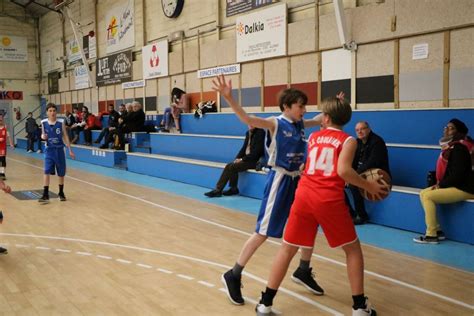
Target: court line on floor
(172, 210)
(171, 254)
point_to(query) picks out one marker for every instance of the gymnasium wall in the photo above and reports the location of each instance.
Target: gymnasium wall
(380, 75)
(20, 76)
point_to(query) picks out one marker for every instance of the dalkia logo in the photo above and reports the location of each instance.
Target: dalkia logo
(247, 29)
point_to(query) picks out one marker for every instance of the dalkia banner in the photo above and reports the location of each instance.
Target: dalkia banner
(120, 27)
(11, 95)
(261, 34)
(114, 69)
(155, 60)
(13, 48)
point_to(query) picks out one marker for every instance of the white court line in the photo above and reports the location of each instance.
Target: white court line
(206, 283)
(62, 250)
(104, 257)
(123, 261)
(211, 263)
(186, 277)
(42, 248)
(146, 266)
(83, 253)
(22, 246)
(389, 279)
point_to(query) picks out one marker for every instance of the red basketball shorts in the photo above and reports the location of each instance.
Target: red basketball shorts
(307, 214)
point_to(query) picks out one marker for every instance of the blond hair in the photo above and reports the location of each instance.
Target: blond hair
(339, 111)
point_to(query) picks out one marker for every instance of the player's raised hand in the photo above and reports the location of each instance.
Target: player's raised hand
(223, 87)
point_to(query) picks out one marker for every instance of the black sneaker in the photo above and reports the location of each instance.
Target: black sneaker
(440, 234)
(213, 193)
(360, 221)
(426, 240)
(44, 199)
(2, 176)
(233, 286)
(62, 197)
(3, 251)
(231, 191)
(306, 278)
(368, 310)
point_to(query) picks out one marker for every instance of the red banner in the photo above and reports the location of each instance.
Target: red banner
(11, 95)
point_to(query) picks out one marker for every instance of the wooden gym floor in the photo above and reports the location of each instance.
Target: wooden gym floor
(115, 248)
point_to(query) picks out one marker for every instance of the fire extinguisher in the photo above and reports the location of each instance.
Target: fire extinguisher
(17, 113)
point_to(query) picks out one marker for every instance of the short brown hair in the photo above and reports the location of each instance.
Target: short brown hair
(339, 111)
(51, 105)
(291, 96)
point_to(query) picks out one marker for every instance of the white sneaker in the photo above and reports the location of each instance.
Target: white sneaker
(263, 310)
(30, 151)
(367, 311)
(39, 151)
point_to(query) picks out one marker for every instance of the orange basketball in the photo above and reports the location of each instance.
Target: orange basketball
(371, 174)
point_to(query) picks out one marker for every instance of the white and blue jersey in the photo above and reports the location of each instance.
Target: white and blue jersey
(54, 157)
(286, 151)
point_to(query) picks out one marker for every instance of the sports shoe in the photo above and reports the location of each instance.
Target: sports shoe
(213, 193)
(426, 240)
(62, 197)
(44, 199)
(263, 310)
(29, 151)
(231, 191)
(39, 151)
(440, 234)
(2, 176)
(233, 286)
(367, 311)
(306, 278)
(3, 251)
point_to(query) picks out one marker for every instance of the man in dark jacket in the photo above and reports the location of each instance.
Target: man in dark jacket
(31, 133)
(112, 124)
(247, 158)
(371, 153)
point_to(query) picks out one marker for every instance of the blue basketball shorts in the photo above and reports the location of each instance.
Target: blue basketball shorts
(278, 196)
(55, 159)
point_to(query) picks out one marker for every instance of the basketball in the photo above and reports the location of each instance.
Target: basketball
(372, 174)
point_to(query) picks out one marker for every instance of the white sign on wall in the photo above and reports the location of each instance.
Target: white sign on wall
(155, 60)
(262, 34)
(133, 84)
(223, 70)
(336, 64)
(420, 51)
(120, 27)
(81, 78)
(13, 48)
(73, 51)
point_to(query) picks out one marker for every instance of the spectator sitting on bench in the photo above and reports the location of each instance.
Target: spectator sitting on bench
(173, 112)
(76, 127)
(134, 121)
(112, 123)
(454, 175)
(247, 158)
(371, 153)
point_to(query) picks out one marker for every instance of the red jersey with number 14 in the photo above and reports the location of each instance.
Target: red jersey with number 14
(320, 177)
(3, 140)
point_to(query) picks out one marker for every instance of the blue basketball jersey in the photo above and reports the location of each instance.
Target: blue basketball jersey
(286, 148)
(54, 132)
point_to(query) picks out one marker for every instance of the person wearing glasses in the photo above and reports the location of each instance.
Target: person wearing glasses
(454, 175)
(371, 153)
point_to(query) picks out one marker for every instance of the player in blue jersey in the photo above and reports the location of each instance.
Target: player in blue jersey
(286, 149)
(54, 133)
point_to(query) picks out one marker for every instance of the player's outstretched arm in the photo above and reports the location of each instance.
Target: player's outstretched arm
(225, 89)
(345, 171)
(315, 121)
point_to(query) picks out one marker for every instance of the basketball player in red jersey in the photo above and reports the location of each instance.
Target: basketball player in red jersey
(4, 135)
(320, 200)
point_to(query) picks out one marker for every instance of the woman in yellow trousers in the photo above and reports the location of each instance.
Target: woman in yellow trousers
(455, 178)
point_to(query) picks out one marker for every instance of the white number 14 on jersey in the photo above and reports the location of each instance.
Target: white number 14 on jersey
(323, 162)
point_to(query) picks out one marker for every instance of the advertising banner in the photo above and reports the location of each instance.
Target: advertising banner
(155, 60)
(120, 27)
(13, 48)
(114, 69)
(261, 34)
